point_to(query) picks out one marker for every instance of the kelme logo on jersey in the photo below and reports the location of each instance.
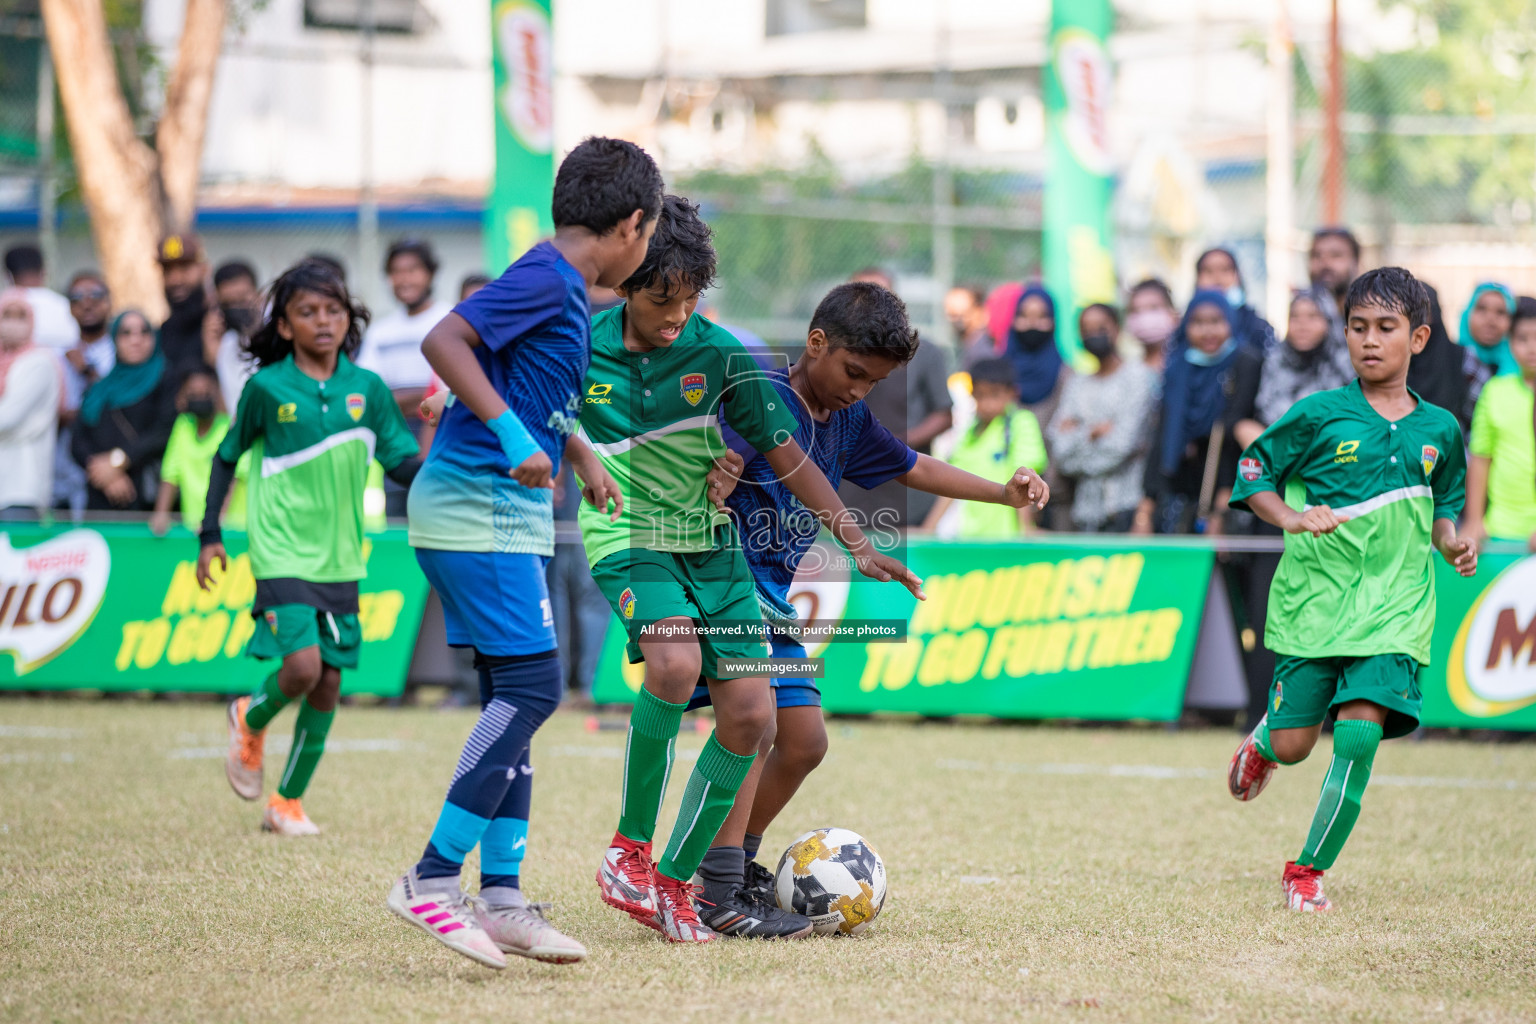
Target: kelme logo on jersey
(627, 603)
(1250, 469)
(695, 386)
(288, 412)
(355, 406)
(1430, 454)
(1491, 670)
(1346, 452)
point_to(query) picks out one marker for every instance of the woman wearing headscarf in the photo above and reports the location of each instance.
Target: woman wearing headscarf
(29, 411)
(1216, 270)
(1484, 336)
(1196, 387)
(1313, 357)
(1031, 348)
(126, 419)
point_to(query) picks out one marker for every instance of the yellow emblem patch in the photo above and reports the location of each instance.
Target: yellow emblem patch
(288, 412)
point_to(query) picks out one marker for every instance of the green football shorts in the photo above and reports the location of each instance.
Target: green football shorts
(285, 628)
(713, 588)
(1307, 690)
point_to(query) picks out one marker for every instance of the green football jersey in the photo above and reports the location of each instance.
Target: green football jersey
(1368, 587)
(654, 419)
(311, 442)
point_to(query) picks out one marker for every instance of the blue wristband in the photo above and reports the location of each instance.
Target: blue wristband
(514, 437)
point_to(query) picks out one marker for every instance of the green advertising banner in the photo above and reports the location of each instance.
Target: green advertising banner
(1079, 266)
(1482, 672)
(1037, 630)
(517, 215)
(110, 607)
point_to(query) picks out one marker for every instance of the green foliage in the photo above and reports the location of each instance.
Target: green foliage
(1475, 62)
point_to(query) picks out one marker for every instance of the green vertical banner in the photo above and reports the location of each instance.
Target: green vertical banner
(1079, 266)
(522, 56)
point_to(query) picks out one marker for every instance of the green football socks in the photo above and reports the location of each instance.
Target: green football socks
(265, 703)
(1354, 748)
(648, 755)
(309, 732)
(712, 787)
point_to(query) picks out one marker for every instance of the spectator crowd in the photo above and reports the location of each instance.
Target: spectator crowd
(103, 410)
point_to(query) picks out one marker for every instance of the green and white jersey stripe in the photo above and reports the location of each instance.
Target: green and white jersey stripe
(1368, 587)
(311, 442)
(654, 418)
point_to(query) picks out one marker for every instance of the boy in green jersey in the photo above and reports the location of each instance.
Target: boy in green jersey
(1374, 478)
(313, 422)
(671, 564)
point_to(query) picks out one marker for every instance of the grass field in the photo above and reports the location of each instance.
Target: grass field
(1036, 874)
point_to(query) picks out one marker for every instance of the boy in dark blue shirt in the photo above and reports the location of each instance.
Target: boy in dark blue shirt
(481, 520)
(858, 335)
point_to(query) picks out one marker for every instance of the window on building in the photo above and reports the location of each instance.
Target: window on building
(786, 17)
(387, 15)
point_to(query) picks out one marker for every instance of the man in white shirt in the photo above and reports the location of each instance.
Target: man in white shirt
(226, 327)
(392, 346)
(53, 326)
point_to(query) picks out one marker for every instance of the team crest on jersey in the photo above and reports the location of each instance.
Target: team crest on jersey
(695, 386)
(271, 617)
(1279, 694)
(1250, 469)
(355, 406)
(627, 603)
(1430, 454)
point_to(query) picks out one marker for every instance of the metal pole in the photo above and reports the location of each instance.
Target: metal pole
(1333, 170)
(367, 201)
(1279, 177)
(47, 169)
(943, 189)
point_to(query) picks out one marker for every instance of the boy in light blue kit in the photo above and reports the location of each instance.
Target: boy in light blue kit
(481, 517)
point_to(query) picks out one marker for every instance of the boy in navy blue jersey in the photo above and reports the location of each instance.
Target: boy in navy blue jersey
(858, 335)
(481, 519)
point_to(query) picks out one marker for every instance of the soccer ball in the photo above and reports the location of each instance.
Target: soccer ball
(835, 878)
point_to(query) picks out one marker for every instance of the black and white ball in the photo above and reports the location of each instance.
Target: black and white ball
(835, 878)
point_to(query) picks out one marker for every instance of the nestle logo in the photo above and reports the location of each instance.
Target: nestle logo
(53, 562)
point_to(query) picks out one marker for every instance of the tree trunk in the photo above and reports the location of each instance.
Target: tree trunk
(117, 172)
(179, 136)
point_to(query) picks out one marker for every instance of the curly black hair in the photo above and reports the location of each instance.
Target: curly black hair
(267, 346)
(601, 182)
(867, 319)
(680, 256)
(1390, 288)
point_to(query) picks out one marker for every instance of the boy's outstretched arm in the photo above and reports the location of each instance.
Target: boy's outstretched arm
(806, 481)
(449, 349)
(1460, 552)
(1317, 520)
(929, 474)
(598, 486)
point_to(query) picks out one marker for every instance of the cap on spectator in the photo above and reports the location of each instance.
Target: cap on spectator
(180, 248)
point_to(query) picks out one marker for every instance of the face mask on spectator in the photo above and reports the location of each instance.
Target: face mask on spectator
(1098, 345)
(1235, 296)
(1151, 326)
(238, 318)
(1035, 339)
(202, 408)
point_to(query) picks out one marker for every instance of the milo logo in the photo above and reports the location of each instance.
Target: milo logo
(49, 594)
(1492, 666)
